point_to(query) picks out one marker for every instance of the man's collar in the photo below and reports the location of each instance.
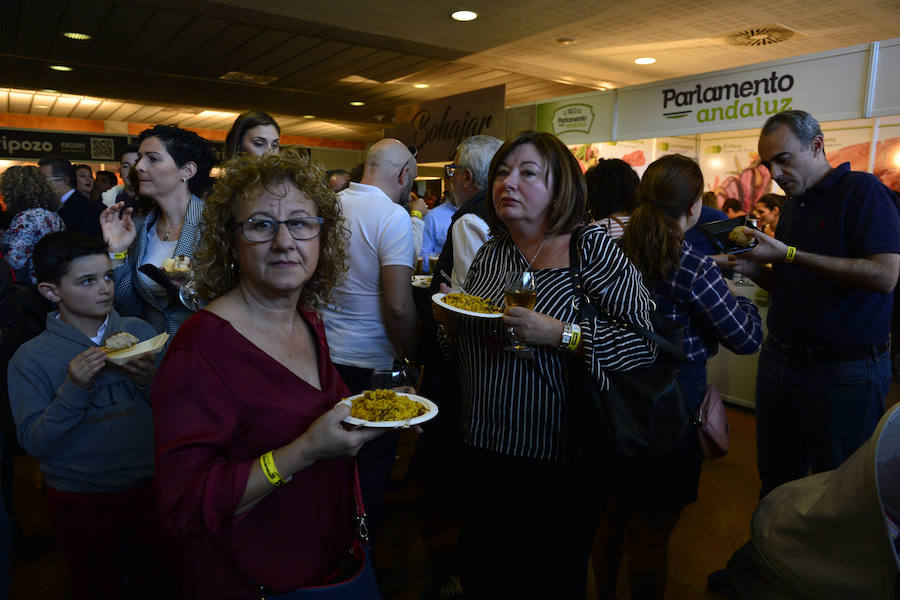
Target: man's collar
(370, 189)
(830, 179)
(66, 196)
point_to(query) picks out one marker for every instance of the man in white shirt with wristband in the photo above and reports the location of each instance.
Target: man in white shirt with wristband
(373, 319)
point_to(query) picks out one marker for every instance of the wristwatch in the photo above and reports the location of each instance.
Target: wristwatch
(566, 336)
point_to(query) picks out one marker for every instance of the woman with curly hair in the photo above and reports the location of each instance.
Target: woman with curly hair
(611, 187)
(173, 174)
(32, 203)
(248, 435)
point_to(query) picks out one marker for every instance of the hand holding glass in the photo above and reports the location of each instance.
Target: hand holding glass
(520, 291)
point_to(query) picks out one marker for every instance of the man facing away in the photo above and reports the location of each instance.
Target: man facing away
(824, 370)
(373, 320)
(76, 210)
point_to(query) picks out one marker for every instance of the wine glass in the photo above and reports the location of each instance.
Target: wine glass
(752, 222)
(395, 376)
(187, 293)
(520, 290)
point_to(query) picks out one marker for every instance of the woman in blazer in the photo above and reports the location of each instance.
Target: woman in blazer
(173, 173)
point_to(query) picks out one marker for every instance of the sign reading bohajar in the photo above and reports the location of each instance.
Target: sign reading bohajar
(572, 117)
(436, 127)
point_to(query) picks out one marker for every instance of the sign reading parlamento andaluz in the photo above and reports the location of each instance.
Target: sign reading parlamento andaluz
(745, 98)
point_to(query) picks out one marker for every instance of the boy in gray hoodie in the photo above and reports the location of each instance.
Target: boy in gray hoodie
(88, 422)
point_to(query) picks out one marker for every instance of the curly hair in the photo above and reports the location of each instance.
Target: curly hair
(183, 146)
(25, 187)
(611, 187)
(243, 178)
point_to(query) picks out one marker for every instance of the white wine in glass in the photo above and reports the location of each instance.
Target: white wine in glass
(520, 290)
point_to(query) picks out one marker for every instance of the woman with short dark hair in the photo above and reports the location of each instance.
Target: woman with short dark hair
(530, 519)
(172, 172)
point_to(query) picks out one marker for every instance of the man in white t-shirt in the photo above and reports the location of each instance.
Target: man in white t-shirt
(373, 319)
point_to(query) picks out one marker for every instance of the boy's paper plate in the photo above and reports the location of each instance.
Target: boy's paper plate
(154, 345)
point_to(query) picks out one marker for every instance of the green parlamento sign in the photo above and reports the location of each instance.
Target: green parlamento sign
(572, 117)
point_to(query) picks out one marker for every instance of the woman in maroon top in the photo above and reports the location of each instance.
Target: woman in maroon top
(251, 374)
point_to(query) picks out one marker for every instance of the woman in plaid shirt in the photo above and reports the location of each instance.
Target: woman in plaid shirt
(688, 287)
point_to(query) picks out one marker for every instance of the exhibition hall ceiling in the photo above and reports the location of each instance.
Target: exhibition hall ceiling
(154, 61)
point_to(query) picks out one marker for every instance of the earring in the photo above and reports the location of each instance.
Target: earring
(183, 180)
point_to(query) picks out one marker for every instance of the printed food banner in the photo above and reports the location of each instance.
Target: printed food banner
(887, 154)
(731, 169)
(685, 145)
(636, 153)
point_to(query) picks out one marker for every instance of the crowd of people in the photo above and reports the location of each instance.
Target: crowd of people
(221, 466)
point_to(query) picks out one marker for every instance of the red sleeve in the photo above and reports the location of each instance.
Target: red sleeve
(195, 416)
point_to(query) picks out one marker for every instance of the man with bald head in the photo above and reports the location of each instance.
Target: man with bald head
(373, 320)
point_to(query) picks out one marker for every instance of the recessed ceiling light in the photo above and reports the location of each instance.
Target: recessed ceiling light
(644, 61)
(60, 68)
(565, 41)
(421, 86)
(49, 91)
(74, 35)
(464, 15)
(309, 116)
(357, 103)
(41, 106)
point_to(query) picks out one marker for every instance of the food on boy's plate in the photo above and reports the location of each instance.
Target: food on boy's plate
(385, 405)
(471, 303)
(177, 264)
(119, 341)
(741, 236)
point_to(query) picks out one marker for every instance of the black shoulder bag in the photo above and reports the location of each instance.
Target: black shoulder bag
(643, 414)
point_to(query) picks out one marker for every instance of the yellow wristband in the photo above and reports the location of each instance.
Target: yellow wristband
(119, 255)
(267, 462)
(791, 252)
(416, 213)
(576, 338)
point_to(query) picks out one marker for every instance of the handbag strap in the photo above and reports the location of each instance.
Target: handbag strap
(582, 300)
(362, 529)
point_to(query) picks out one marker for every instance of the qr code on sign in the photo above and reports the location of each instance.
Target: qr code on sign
(102, 149)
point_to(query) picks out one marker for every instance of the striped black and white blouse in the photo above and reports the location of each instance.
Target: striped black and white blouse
(516, 406)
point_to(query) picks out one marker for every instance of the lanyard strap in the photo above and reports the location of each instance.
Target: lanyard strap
(362, 529)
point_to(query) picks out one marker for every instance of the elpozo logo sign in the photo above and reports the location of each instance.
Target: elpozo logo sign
(571, 118)
(725, 102)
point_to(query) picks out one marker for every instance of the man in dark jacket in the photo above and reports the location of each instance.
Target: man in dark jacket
(78, 212)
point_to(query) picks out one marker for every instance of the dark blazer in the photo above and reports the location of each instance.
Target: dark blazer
(79, 213)
(133, 296)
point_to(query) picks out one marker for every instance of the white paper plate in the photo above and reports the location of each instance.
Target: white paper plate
(154, 345)
(439, 299)
(422, 281)
(432, 413)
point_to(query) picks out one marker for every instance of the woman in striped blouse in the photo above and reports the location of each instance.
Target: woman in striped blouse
(529, 511)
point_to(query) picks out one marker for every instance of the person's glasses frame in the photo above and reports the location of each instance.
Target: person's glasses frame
(412, 150)
(298, 227)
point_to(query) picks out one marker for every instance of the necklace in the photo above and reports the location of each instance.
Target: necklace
(533, 258)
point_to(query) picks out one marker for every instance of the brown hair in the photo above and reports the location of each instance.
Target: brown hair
(569, 194)
(652, 240)
(25, 187)
(243, 178)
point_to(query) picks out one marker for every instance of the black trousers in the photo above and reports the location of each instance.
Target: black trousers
(528, 526)
(375, 459)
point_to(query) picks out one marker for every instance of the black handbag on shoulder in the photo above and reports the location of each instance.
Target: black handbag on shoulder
(643, 415)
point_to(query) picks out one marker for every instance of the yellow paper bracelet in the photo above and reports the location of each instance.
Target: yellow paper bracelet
(416, 213)
(119, 255)
(791, 252)
(267, 462)
(576, 338)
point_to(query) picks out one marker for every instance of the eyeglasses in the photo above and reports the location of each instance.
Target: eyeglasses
(265, 230)
(412, 150)
(450, 169)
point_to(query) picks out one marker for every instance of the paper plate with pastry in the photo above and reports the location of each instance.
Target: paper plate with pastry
(467, 304)
(178, 267)
(389, 409)
(122, 346)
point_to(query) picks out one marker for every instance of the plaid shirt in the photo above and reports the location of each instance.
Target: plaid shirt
(696, 296)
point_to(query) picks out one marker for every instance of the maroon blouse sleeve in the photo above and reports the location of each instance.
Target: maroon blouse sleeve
(195, 417)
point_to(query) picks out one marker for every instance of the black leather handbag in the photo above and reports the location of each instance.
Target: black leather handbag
(643, 415)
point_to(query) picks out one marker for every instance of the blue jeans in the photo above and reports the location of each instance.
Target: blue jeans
(814, 415)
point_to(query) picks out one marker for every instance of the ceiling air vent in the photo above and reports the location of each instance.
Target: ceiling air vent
(761, 36)
(248, 78)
